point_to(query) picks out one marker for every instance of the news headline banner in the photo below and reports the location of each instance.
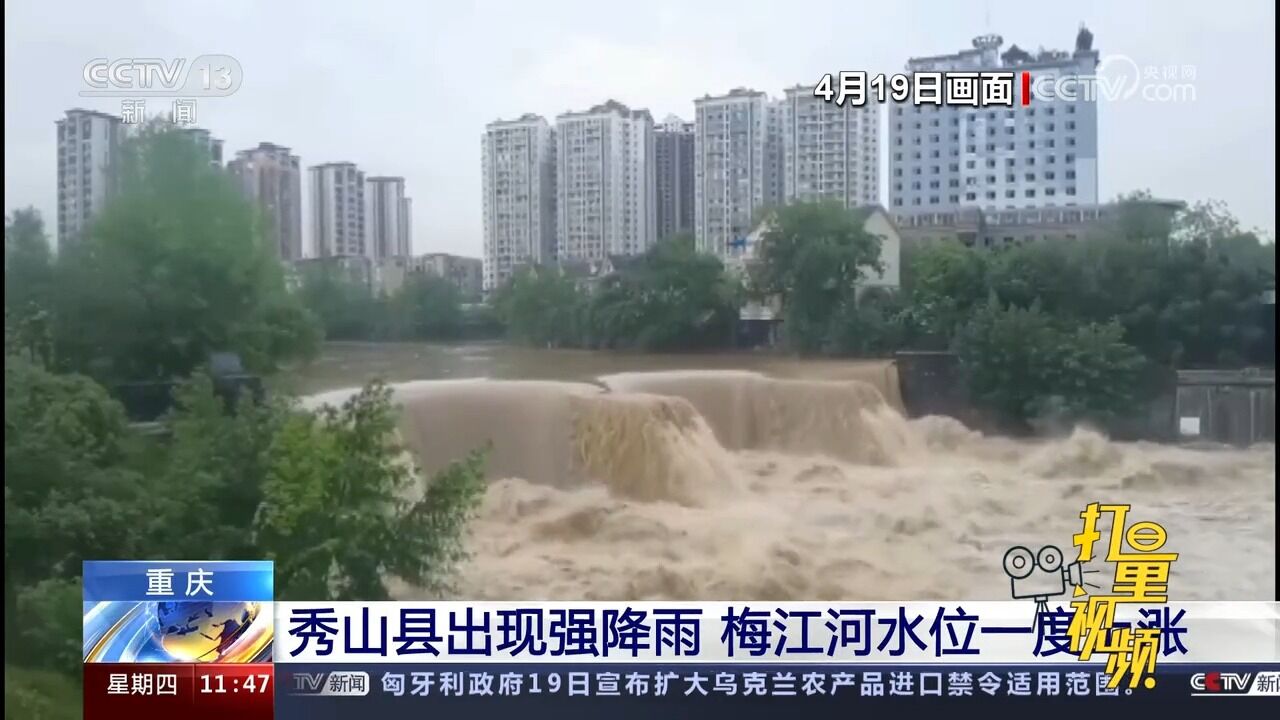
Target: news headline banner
(751, 632)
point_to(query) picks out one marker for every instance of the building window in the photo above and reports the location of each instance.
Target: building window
(1071, 191)
(991, 194)
(1031, 161)
(969, 164)
(970, 196)
(971, 148)
(1008, 162)
(1071, 157)
(1071, 124)
(1011, 178)
(1031, 177)
(954, 167)
(897, 156)
(1010, 193)
(1049, 192)
(991, 179)
(933, 199)
(1049, 111)
(1071, 174)
(955, 199)
(1030, 193)
(954, 183)
(1048, 175)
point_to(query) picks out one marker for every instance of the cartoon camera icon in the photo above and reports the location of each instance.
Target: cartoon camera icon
(1042, 575)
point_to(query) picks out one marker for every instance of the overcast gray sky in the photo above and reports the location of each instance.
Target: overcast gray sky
(405, 88)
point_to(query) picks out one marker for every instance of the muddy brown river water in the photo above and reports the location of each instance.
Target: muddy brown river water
(757, 478)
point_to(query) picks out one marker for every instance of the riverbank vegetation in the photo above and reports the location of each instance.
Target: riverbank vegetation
(174, 270)
(1070, 328)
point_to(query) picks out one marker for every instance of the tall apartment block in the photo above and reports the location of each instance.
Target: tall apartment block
(731, 179)
(775, 153)
(605, 182)
(338, 211)
(830, 152)
(387, 214)
(673, 158)
(88, 147)
(207, 142)
(1044, 154)
(270, 176)
(518, 169)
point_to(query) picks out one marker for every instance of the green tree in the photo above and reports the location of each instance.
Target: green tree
(948, 281)
(875, 324)
(1022, 364)
(174, 269)
(28, 284)
(429, 308)
(672, 297)
(346, 307)
(540, 306)
(344, 509)
(812, 257)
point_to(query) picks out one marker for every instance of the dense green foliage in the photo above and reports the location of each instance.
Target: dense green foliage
(338, 475)
(1071, 324)
(425, 307)
(669, 298)
(328, 495)
(172, 270)
(812, 258)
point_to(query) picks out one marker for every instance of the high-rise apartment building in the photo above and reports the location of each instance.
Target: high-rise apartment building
(1042, 154)
(270, 176)
(731, 179)
(387, 215)
(830, 152)
(605, 182)
(338, 211)
(518, 169)
(673, 158)
(207, 142)
(88, 149)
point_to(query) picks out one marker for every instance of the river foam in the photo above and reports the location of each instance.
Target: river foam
(739, 485)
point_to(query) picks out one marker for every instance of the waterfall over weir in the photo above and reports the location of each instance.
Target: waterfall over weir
(710, 484)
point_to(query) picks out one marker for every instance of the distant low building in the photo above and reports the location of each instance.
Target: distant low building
(980, 228)
(465, 273)
(353, 268)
